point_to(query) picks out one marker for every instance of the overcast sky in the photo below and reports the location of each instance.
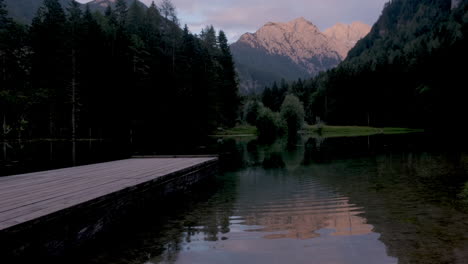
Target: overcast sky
(236, 17)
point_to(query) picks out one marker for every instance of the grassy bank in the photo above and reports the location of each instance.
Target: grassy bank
(353, 131)
(240, 130)
(326, 131)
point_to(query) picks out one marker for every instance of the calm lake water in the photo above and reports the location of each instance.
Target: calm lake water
(379, 199)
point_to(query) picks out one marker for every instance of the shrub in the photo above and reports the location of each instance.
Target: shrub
(292, 112)
(251, 111)
(269, 124)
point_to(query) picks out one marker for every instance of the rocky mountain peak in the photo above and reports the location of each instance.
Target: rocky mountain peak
(300, 39)
(297, 47)
(296, 39)
(103, 3)
(301, 21)
(346, 36)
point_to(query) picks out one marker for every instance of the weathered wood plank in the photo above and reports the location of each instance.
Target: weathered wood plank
(73, 180)
(77, 185)
(34, 195)
(55, 187)
(81, 171)
(70, 175)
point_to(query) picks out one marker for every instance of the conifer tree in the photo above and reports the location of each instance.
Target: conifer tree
(77, 73)
(153, 17)
(74, 25)
(4, 19)
(4, 93)
(135, 18)
(48, 33)
(121, 11)
(229, 85)
(152, 26)
(208, 36)
(168, 11)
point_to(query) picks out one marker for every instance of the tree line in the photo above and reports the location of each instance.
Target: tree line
(129, 72)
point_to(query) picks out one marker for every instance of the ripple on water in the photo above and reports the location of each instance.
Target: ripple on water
(278, 217)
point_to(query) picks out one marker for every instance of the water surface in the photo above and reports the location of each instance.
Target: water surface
(378, 199)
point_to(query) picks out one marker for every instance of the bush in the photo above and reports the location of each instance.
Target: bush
(292, 112)
(269, 124)
(251, 111)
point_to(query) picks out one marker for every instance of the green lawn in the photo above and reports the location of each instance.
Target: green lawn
(352, 131)
(240, 130)
(327, 131)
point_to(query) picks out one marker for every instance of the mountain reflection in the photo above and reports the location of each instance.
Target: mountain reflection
(286, 205)
(379, 199)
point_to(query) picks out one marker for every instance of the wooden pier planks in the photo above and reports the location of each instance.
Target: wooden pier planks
(27, 197)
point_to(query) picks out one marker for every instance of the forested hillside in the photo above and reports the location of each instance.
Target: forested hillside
(24, 11)
(125, 73)
(408, 71)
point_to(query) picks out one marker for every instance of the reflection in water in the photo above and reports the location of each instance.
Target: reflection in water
(279, 216)
(273, 161)
(411, 200)
(379, 199)
(297, 209)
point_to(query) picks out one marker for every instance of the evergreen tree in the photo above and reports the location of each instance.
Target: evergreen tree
(168, 11)
(74, 25)
(135, 18)
(121, 10)
(208, 36)
(251, 111)
(4, 19)
(153, 17)
(273, 97)
(108, 13)
(229, 84)
(152, 26)
(267, 97)
(94, 56)
(5, 93)
(49, 74)
(122, 74)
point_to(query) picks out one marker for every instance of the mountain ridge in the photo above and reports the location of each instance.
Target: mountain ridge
(292, 50)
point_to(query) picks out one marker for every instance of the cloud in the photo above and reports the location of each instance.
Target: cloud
(236, 17)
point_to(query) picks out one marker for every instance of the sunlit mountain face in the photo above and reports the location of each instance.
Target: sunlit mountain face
(292, 50)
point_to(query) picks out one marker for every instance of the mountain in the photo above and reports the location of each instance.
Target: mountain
(292, 50)
(25, 10)
(101, 5)
(346, 36)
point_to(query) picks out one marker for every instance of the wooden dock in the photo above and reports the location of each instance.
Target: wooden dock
(81, 201)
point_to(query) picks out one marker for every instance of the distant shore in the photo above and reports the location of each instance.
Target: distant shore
(325, 131)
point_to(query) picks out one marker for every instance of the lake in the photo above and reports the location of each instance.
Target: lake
(374, 199)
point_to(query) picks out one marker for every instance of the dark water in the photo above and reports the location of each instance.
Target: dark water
(380, 199)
